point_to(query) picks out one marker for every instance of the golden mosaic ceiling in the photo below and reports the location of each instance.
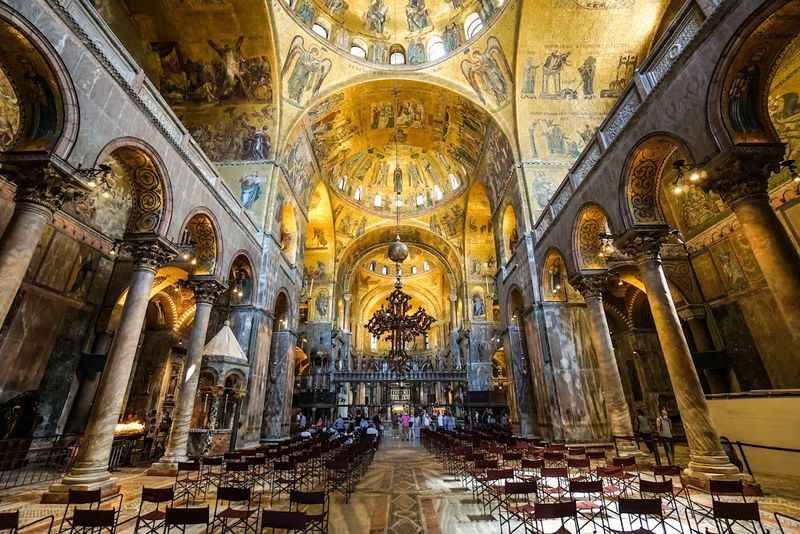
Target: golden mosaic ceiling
(440, 138)
(424, 31)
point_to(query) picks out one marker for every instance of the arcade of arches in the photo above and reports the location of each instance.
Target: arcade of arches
(599, 199)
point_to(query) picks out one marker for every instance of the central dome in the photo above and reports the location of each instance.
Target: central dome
(396, 32)
(440, 136)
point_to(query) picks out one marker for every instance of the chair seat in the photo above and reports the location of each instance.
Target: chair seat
(154, 515)
(588, 505)
(233, 513)
(612, 489)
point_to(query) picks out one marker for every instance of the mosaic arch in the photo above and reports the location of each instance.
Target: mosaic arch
(589, 247)
(743, 110)
(199, 244)
(37, 101)
(241, 280)
(510, 232)
(643, 175)
(137, 202)
(396, 35)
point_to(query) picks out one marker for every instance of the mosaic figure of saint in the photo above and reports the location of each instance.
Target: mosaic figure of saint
(376, 16)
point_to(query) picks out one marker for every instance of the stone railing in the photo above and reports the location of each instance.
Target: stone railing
(661, 60)
(409, 376)
(89, 26)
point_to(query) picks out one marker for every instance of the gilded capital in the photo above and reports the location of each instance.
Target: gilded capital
(43, 182)
(590, 286)
(206, 288)
(149, 252)
(643, 244)
(743, 171)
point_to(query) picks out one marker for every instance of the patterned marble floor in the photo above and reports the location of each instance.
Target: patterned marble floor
(405, 491)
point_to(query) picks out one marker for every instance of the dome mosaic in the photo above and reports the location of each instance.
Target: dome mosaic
(396, 33)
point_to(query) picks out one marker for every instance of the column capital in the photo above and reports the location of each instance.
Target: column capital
(43, 180)
(206, 288)
(347, 297)
(453, 297)
(149, 252)
(743, 171)
(687, 313)
(590, 286)
(643, 244)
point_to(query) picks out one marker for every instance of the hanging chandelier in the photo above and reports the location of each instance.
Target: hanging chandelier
(394, 321)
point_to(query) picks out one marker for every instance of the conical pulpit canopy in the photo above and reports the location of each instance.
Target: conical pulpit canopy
(225, 345)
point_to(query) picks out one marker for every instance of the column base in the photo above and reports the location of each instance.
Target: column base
(701, 480)
(164, 468)
(628, 449)
(59, 493)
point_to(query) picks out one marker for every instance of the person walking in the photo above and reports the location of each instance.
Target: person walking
(404, 419)
(664, 429)
(642, 427)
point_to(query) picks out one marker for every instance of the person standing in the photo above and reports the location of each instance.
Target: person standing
(440, 421)
(642, 427)
(664, 429)
(404, 419)
(415, 426)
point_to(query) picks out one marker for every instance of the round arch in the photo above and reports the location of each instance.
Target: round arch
(242, 281)
(587, 245)
(509, 231)
(200, 242)
(641, 178)
(282, 311)
(554, 278)
(52, 123)
(738, 107)
(138, 163)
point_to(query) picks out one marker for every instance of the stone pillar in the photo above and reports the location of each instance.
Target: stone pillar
(206, 291)
(591, 288)
(719, 381)
(280, 385)
(706, 456)
(346, 315)
(740, 177)
(453, 312)
(90, 470)
(42, 188)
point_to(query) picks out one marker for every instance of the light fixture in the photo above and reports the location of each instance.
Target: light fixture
(99, 177)
(682, 183)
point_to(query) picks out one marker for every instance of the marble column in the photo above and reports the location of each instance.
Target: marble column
(706, 456)
(740, 177)
(346, 315)
(42, 189)
(591, 288)
(453, 312)
(90, 470)
(280, 384)
(206, 290)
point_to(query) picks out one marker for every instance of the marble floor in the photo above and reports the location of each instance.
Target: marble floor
(405, 491)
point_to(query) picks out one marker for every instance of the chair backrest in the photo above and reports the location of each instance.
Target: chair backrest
(532, 464)
(9, 520)
(628, 461)
(736, 511)
(157, 495)
(255, 460)
(576, 451)
(186, 516)
(83, 496)
(596, 455)
(555, 510)
(232, 455)
(499, 474)
(726, 487)
(307, 497)
(485, 464)
(520, 488)
(640, 507)
(94, 518)
(554, 456)
(648, 486)
(226, 493)
(586, 486)
(284, 520)
(188, 466)
(235, 467)
(667, 470)
(212, 460)
(555, 472)
(578, 462)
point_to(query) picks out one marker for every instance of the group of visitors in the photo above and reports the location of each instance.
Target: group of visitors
(663, 434)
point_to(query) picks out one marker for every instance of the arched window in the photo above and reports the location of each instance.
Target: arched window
(413, 269)
(358, 194)
(397, 58)
(420, 200)
(378, 200)
(358, 51)
(472, 25)
(320, 30)
(455, 183)
(436, 48)
(437, 192)
(372, 266)
(384, 270)
(426, 266)
(342, 182)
